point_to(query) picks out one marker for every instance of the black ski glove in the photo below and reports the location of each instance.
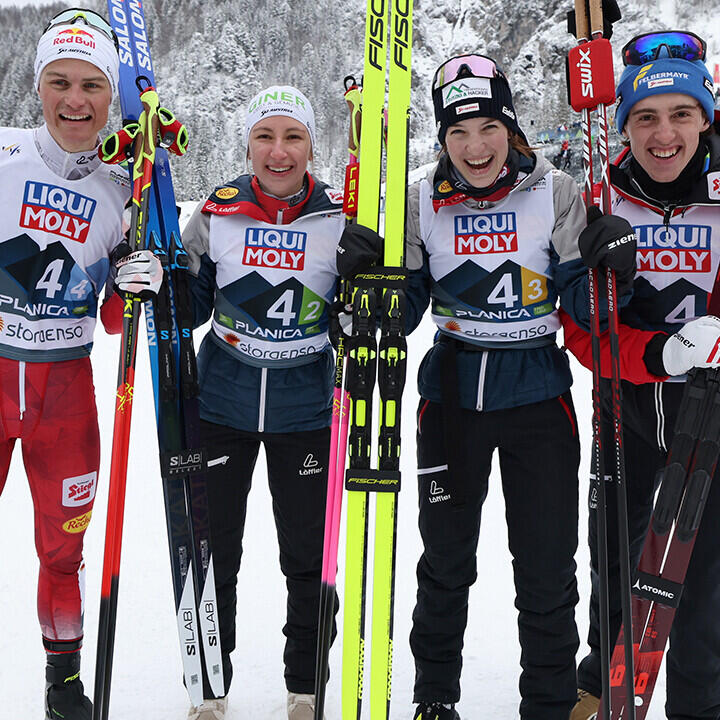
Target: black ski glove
(609, 241)
(358, 250)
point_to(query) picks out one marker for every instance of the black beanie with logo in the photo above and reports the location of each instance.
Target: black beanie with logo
(469, 96)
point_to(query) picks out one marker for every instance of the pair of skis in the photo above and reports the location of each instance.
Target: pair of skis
(388, 41)
(658, 584)
(169, 328)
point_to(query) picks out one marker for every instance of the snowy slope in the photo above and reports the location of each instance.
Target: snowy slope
(147, 677)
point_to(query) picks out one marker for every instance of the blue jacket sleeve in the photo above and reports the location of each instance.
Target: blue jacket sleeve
(203, 291)
(417, 295)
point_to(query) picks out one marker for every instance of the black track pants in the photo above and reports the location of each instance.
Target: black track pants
(693, 661)
(539, 458)
(297, 475)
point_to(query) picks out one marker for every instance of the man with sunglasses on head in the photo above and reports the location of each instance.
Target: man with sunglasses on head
(61, 220)
(666, 183)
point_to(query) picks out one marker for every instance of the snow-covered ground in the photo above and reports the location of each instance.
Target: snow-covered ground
(147, 676)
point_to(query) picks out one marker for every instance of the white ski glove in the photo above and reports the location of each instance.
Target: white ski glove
(139, 273)
(695, 345)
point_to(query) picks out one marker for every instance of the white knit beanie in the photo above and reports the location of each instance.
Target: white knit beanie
(280, 100)
(78, 42)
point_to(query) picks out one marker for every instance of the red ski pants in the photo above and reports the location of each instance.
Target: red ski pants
(50, 407)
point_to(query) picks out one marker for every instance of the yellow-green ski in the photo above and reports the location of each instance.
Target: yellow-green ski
(383, 288)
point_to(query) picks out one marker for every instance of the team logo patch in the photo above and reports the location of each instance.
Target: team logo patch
(56, 210)
(227, 193)
(284, 249)
(78, 524)
(483, 234)
(466, 89)
(75, 36)
(445, 187)
(661, 82)
(676, 248)
(335, 196)
(79, 490)
(713, 181)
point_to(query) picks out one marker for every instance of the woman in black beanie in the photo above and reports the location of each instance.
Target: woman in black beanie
(493, 242)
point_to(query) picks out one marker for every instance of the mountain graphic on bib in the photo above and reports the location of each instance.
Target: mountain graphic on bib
(287, 305)
(49, 279)
(507, 286)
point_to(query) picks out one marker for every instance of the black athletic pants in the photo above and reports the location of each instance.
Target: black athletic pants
(539, 457)
(297, 475)
(693, 661)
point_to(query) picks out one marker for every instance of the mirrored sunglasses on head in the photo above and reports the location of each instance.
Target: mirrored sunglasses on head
(678, 44)
(89, 17)
(465, 66)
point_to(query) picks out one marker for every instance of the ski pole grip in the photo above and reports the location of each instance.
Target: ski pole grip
(582, 28)
(596, 17)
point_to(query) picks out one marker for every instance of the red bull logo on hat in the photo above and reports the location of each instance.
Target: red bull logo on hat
(56, 210)
(76, 36)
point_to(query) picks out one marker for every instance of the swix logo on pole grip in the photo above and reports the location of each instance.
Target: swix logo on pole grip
(590, 75)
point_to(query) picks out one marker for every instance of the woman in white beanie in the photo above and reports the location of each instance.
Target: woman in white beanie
(262, 250)
(61, 217)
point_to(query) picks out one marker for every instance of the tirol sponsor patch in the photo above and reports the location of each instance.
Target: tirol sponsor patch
(335, 196)
(78, 524)
(661, 82)
(56, 210)
(466, 88)
(470, 107)
(79, 490)
(483, 234)
(713, 181)
(675, 248)
(284, 249)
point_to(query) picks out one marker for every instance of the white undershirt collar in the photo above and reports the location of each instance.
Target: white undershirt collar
(70, 166)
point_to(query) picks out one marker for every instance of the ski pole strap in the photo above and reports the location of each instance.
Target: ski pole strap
(118, 147)
(173, 134)
(450, 409)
